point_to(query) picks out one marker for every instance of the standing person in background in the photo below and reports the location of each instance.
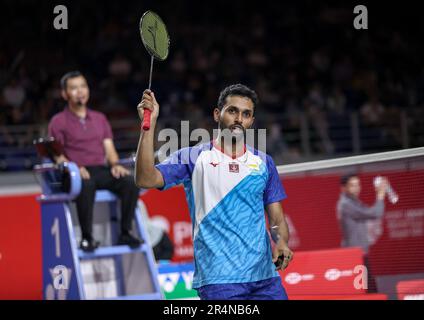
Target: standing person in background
(354, 216)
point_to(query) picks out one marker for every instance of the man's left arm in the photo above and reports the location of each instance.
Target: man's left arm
(113, 159)
(280, 234)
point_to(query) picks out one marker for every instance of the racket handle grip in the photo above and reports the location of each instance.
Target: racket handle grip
(146, 119)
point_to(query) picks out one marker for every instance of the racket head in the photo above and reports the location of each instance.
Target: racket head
(154, 35)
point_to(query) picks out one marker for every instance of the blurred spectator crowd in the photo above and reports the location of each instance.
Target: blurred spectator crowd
(309, 66)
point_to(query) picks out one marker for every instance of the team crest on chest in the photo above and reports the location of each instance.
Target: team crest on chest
(233, 167)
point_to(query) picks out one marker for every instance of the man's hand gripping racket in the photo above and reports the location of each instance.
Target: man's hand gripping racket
(148, 107)
(281, 256)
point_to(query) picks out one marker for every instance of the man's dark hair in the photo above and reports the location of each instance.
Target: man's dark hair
(237, 90)
(345, 179)
(67, 76)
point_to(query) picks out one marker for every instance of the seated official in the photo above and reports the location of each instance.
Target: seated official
(87, 140)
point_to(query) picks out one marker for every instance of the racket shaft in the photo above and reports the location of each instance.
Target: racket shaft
(151, 73)
(147, 112)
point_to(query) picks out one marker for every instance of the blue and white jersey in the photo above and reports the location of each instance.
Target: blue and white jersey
(226, 198)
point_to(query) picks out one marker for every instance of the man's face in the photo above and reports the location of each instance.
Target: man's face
(353, 187)
(236, 115)
(76, 91)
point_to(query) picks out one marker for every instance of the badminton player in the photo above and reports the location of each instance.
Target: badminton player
(228, 185)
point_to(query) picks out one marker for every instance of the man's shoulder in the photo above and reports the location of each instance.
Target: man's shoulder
(202, 147)
(194, 151)
(348, 202)
(186, 155)
(97, 114)
(196, 148)
(58, 118)
(266, 158)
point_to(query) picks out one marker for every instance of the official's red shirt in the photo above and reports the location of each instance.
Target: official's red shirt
(82, 138)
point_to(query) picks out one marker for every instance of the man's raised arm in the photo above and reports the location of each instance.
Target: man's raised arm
(146, 174)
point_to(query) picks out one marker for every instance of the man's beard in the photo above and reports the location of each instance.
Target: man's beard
(235, 133)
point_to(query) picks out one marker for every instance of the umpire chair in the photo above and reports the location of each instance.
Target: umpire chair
(110, 272)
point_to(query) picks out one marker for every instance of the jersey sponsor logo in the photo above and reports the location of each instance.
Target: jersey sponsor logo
(214, 164)
(233, 167)
(253, 166)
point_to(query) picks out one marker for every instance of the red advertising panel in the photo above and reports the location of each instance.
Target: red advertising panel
(20, 248)
(325, 272)
(410, 290)
(397, 240)
(170, 208)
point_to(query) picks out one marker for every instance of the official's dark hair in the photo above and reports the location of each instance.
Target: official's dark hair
(345, 179)
(237, 90)
(67, 76)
